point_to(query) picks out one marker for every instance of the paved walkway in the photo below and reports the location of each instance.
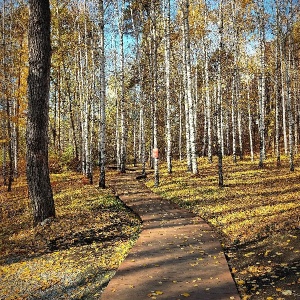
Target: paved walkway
(177, 255)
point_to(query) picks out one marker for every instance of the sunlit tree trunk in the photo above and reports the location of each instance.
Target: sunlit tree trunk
(277, 87)
(39, 186)
(219, 96)
(16, 127)
(288, 76)
(187, 112)
(250, 126)
(190, 102)
(240, 132)
(233, 118)
(102, 125)
(82, 103)
(142, 138)
(88, 122)
(262, 82)
(296, 109)
(155, 92)
(180, 124)
(207, 94)
(234, 79)
(123, 153)
(167, 82)
(117, 114)
(71, 99)
(140, 98)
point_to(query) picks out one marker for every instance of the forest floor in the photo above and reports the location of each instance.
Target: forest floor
(256, 215)
(70, 257)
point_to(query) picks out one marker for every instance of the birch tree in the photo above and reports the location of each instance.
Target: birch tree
(219, 96)
(122, 96)
(155, 90)
(288, 76)
(188, 92)
(234, 92)
(277, 85)
(167, 84)
(261, 81)
(207, 88)
(102, 116)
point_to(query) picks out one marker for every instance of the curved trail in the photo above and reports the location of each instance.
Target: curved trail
(177, 255)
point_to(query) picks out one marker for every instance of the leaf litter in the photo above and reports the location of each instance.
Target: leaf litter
(70, 257)
(257, 217)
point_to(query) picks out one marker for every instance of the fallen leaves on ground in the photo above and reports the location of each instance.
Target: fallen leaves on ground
(256, 213)
(71, 256)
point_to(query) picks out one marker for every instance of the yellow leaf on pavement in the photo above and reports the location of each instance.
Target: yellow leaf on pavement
(158, 292)
(185, 295)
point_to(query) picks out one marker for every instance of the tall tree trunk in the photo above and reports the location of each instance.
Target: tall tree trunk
(250, 126)
(155, 95)
(190, 102)
(87, 103)
(288, 64)
(142, 139)
(240, 132)
(233, 119)
(102, 127)
(38, 178)
(219, 97)
(186, 109)
(262, 83)
(277, 87)
(117, 115)
(180, 124)
(7, 168)
(71, 113)
(10, 146)
(207, 95)
(140, 100)
(283, 101)
(167, 82)
(122, 102)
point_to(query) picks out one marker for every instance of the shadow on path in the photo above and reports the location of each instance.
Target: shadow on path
(177, 255)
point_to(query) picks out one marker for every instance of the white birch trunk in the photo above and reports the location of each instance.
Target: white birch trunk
(190, 102)
(87, 104)
(234, 79)
(155, 92)
(288, 65)
(207, 94)
(233, 119)
(102, 125)
(167, 83)
(250, 126)
(277, 88)
(122, 102)
(180, 124)
(240, 132)
(219, 97)
(283, 97)
(262, 83)
(187, 118)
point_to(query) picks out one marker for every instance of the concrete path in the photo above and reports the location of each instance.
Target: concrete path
(177, 255)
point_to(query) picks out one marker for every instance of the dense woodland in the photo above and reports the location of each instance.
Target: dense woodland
(189, 78)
